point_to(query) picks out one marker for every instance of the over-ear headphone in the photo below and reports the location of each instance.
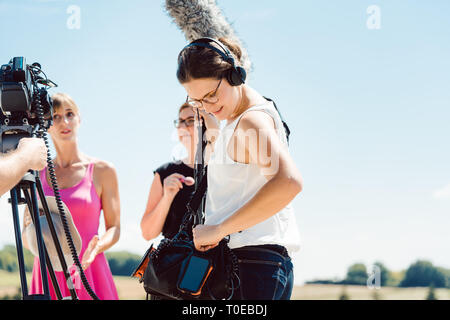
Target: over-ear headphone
(236, 75)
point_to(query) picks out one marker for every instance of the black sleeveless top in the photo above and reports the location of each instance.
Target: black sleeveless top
(178, 207)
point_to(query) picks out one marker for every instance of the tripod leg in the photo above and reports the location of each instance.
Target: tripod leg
(56, 242)
(51, 272)
(34, 210)
(19, 247)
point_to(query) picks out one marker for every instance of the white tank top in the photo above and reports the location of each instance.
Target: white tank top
(232, 184)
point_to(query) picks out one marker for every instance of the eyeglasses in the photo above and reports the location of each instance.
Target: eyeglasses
(189, 122)
(210, 98)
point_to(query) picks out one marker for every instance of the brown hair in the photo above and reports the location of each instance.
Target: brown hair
(63, 98)
(199, 62)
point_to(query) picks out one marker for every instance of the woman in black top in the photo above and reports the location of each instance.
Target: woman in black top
(173, 185)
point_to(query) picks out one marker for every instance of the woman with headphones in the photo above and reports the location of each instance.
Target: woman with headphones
(251, 176)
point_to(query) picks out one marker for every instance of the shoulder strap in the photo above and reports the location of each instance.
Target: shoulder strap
(90, 171)
(196, 200)
(196, 205)
(200, 176)
(286, 127)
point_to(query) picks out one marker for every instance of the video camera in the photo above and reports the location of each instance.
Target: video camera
(25, 105)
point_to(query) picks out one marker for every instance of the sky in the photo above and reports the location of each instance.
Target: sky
(363, 86)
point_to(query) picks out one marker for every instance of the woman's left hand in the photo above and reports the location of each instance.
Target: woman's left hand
(90, 253)
(206, 237)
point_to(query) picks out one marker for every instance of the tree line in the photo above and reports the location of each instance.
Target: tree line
(421, 273)
(121, 263)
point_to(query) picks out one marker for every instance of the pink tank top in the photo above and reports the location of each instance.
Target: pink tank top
(83, 202)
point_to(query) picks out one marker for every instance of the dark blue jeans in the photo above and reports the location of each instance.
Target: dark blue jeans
(265, 272)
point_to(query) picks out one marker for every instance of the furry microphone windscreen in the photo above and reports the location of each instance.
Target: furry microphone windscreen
(203, 18)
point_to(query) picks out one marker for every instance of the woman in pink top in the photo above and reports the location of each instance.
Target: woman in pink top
(87, 186)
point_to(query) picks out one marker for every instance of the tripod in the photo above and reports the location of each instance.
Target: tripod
(26, 110)
(29, 184)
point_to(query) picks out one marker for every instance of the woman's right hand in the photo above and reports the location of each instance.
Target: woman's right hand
(173, 183)
(211, 123)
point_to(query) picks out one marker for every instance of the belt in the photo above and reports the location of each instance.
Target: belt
(269, 248)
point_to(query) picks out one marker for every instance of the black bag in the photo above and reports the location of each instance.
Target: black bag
(176, 270)
(172, 270)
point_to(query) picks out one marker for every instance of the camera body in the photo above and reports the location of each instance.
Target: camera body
(19, 91)
(15, 92)
(26, 108)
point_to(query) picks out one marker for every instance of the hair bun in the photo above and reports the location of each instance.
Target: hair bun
(234, 48)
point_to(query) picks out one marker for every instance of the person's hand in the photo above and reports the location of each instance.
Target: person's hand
(34, 151)
(173, 183)
(211, 121)
(90, 253)
(206, 237)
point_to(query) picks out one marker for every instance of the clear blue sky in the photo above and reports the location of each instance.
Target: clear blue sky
(368, 110)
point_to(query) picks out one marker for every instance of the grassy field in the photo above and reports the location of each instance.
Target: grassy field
(131, 289)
